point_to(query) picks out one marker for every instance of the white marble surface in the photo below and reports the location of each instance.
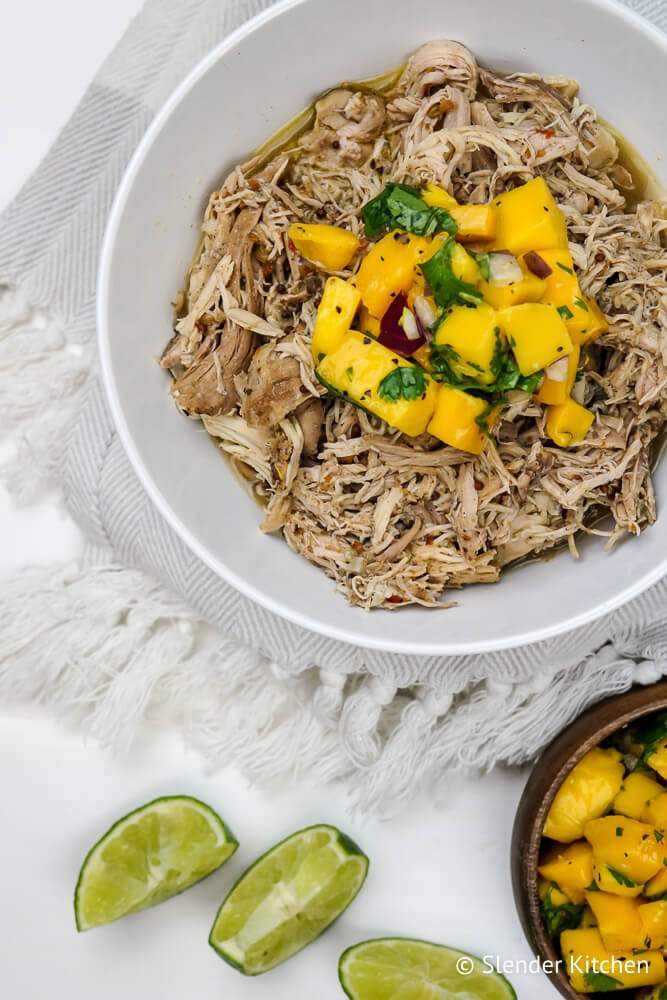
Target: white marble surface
(440, 874)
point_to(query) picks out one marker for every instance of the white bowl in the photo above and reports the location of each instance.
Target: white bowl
(242, 92)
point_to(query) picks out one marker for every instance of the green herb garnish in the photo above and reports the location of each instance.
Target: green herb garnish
(621, 878)
(446, 287)
(400, 206)
(565, 313)
(568, 270)
(619, 831)
(560, 918)
(658, 836)
(581, 304)
(483, 263)
(403, 383)
(602, 983)
(349, 372)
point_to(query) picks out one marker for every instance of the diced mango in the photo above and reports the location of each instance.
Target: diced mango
(568, 423)
(618, 920)
(358, 371)
(630, 848)
(329, 246)
(390, 267)
(586, 793)
(529, 289)
(536, 334)
(475, 222)
(653, 918)
(368, 324)
(528, 218)
(607, 881)
(456, 417)
(571, 868)
(470, 338)
(335, 315)
(552, 392)
(655, 811)
(437, 197)
(597, 322)
(592, 968)
(588, 918)
(636, 792)
(656, 887)
(417, 288)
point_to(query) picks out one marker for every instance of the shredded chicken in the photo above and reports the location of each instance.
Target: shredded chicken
(394, 520)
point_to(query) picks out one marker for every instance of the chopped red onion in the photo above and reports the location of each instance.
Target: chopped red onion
(537, 264)
(397, 332)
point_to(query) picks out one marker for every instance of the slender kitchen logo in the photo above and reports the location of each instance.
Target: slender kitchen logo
(591, 968)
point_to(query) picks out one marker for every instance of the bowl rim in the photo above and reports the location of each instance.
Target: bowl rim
(555, 763)
(346, 634)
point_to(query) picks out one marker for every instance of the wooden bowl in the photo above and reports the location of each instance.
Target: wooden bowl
(586, 732)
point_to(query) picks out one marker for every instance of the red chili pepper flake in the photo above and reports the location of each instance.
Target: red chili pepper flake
(429, 539)
(253, 184)
(292, 246)
(394, 599)
(548, 133)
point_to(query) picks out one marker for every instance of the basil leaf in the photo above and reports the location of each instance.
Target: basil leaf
(399, 206)
(403, 383)
(446, 287)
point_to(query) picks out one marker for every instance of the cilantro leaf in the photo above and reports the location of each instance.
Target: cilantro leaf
(621, 878)
(601, 982)
(483, 263)
(400, 206)
(403, 383)
(560, 918)
(446, 287)
(565, 313)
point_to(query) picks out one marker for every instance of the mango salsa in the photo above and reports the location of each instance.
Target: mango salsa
(480, 322)
(381, 382)
(622, 917)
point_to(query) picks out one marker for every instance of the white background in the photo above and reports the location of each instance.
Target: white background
(436, 873)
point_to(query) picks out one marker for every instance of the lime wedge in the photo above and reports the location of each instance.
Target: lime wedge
(416, 970)
(150, 855)
(288, 898)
